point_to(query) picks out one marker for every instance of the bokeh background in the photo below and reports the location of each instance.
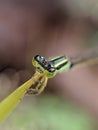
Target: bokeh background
(49, 28)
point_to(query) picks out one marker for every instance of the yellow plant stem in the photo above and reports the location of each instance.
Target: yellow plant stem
(10, 102)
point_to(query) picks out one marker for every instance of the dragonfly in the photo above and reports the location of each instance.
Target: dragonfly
(45, 69)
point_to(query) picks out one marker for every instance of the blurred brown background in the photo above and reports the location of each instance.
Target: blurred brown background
(49, 28)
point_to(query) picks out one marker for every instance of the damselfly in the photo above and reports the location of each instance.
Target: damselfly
(45, 69)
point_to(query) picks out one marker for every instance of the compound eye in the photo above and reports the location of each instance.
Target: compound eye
(39, 58)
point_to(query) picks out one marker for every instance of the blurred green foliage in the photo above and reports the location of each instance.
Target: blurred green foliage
(47, 113)
(93, 40)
